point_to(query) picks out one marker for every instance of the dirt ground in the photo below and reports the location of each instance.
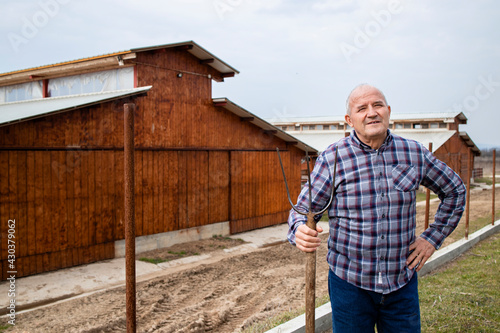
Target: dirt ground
(227, 295)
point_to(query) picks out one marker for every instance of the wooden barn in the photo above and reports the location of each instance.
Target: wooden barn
(202, 165)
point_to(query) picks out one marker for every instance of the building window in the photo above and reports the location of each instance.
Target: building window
(434, 125)
(406, 125)
(311, 127)
(21, 92)
(417, 126)
(398, 126)
(443, 125)
(116, 79)
(341, 127)
(425, 125)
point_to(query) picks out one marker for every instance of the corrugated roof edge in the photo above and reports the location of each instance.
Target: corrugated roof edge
(263, 124)
(107, 96)
(192, 43)
(140, 49)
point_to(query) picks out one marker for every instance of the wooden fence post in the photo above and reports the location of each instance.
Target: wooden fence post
(467, 202)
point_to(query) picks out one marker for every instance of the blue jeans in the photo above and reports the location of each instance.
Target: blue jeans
(359, 310)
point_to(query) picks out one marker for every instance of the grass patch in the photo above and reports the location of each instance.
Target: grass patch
(220, 237)
(5, 327)
(422, 195)
(180, 253)
(153, 260)
(486, 180)
(465, 296)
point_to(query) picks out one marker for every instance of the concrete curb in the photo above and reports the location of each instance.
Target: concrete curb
(452, 251)
(323, 313)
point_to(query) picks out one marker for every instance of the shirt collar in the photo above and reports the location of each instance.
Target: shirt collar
(357, 142)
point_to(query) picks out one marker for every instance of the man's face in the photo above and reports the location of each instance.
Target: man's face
(369, 115)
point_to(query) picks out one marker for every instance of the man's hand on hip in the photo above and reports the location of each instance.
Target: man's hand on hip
(422, 250)
(306, 239)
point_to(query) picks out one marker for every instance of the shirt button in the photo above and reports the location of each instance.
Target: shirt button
(382, 237)
(383, 216)
(382, 195)
(381, 173)
(382, 258)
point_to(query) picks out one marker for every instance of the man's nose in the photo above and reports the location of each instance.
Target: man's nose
(371, 111)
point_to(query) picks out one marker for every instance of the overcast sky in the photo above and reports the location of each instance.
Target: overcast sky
(296, 58)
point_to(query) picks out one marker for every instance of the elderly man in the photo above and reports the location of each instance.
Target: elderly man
(373, 252)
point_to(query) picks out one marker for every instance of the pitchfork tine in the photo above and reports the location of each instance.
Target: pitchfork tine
(286, 184)
(309, 184)
(333, 185)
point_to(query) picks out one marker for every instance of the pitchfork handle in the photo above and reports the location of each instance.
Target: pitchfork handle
(310, 281)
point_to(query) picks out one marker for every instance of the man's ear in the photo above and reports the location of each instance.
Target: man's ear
(348, 120)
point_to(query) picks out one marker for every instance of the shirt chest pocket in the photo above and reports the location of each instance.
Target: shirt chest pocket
(404, 177)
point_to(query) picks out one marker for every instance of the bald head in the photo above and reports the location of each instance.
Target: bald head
(360, 90)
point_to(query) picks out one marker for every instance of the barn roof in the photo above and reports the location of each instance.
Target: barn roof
(198, 52)
(263, 124)
(111, 61)
(36, 108)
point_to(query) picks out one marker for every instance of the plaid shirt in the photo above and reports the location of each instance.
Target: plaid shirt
(373, 215)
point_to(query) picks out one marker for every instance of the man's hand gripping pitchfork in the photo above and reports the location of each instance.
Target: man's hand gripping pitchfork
(310, 253)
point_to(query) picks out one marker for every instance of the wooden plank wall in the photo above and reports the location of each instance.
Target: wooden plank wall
(258, 194)
(455, 154)
(69, 205)
(63, 217)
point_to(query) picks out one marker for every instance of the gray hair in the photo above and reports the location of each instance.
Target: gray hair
(348, 101)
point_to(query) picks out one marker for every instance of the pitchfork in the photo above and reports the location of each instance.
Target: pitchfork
(310, 256)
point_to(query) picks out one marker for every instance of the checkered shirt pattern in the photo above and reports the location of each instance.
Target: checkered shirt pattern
(372, 218)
